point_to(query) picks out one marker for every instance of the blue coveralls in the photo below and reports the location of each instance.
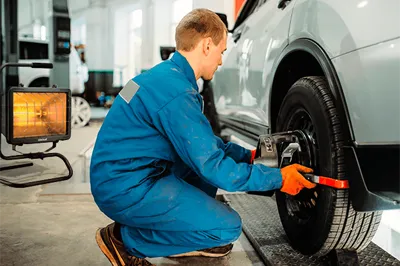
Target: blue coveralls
(156, 167)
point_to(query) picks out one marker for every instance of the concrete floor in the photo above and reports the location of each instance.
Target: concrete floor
(55, 224)
(59, 230)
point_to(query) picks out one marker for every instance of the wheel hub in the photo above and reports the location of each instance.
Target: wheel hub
(80, 112)
(302, 206)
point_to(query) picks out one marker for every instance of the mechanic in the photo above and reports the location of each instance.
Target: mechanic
(156, 164)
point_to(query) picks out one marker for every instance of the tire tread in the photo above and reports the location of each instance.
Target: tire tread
(349, 230)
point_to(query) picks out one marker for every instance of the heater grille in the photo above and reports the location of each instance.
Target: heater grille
(38, 116)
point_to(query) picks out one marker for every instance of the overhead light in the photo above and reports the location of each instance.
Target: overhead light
(362, 4)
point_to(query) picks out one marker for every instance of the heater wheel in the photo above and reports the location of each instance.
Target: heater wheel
(80, 113)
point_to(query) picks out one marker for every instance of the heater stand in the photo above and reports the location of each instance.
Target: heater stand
(36, 155)
(15, 166)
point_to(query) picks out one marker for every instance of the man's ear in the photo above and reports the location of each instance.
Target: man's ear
(207, 45)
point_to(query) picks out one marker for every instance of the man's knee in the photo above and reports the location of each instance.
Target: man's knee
(231, 217)
(233, 227)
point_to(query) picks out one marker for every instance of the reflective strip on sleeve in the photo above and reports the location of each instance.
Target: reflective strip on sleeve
(129, 91)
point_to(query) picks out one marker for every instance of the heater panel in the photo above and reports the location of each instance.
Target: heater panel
(38, 115)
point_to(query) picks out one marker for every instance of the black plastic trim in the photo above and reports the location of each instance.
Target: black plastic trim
(250, 129)
(373, 145)
(311, 47)
(358, 165)
(256, 128)
(236, 125)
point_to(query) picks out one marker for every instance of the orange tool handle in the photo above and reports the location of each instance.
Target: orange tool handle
(327, 181)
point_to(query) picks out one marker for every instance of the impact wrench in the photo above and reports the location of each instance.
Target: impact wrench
(267, 154)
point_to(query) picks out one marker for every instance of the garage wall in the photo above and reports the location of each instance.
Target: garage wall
(90, 26)
(107, 31)
(221, 6)
(103, 26)
(163, 20)
(95, 16)
(162, 17)
(32, 14)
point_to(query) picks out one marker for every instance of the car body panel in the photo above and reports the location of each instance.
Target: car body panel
(371, 85)
(344, 26)
(76, 71)
(356, 45)
(28, 75)
(242, 85)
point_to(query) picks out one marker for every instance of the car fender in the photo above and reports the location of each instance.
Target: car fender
(357, 24)
(28, 75)
(315, 50)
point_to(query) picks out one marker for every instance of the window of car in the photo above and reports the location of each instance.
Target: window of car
(33, 50)
(248, 8)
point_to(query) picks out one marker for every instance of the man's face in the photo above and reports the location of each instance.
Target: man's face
(214, 58)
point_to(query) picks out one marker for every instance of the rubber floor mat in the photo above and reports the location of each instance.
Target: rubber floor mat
(262, 226)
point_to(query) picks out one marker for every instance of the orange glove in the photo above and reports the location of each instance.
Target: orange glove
(253, 155)
(293, 181)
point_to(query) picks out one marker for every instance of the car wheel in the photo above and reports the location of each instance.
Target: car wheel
(320, 219)
(80, 112)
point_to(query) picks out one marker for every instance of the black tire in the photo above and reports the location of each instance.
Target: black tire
(331, 223)
(40, 82)
(210, 111)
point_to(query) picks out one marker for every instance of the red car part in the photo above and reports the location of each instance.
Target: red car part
(327, 181)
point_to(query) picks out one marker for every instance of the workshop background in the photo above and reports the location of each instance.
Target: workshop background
(111, 41)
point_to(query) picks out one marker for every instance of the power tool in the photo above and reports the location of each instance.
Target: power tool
(280, 149)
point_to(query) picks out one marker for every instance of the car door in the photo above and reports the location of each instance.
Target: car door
(266, 37)
(226, 81)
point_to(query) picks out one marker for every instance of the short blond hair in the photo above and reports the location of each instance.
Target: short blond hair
(197, 24)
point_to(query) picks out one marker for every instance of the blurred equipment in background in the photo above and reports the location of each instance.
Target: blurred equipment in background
(59, 42)
(59, 54)
(166, 51)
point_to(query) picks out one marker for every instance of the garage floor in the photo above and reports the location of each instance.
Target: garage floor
(55, 224)
(59, 230)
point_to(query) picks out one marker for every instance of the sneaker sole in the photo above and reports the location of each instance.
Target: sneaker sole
(200, 254)
(103, 247)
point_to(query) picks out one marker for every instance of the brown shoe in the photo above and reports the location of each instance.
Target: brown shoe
(115, 250)
(209, 252)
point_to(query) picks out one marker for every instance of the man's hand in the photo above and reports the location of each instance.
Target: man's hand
(293, 181)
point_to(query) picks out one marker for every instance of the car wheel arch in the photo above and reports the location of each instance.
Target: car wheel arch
(319, 64)
(40, 81)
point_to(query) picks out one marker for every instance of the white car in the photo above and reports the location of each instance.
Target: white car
(31, 50)
(329, 69)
